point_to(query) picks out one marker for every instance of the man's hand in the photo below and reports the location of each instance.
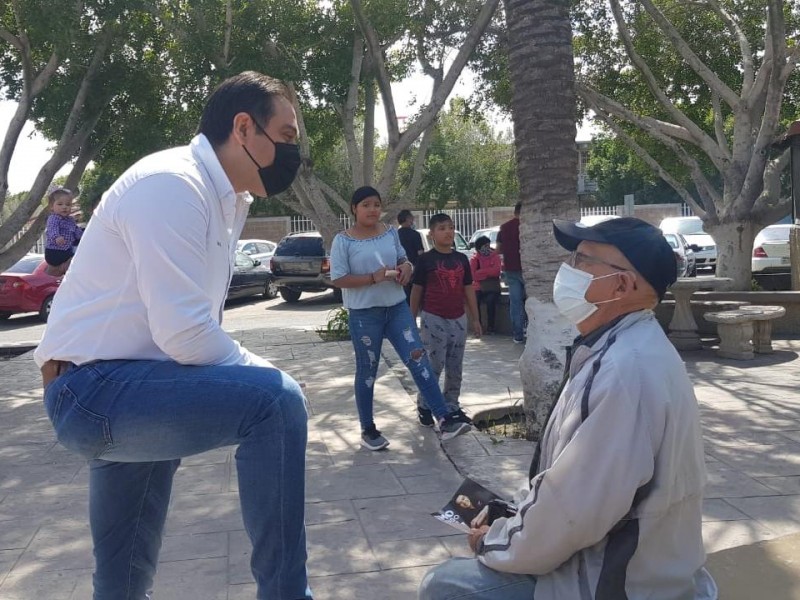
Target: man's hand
(406, 271)
(475, 536)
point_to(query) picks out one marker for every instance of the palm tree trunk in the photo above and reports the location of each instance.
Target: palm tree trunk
(544, 113)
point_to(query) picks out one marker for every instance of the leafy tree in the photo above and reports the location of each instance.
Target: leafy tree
(467, 162)
(698, 92)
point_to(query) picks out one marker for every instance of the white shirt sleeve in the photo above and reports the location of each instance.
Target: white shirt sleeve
(164, 224)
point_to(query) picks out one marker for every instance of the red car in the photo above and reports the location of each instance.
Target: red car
(26, 287)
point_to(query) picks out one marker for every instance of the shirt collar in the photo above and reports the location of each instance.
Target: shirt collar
(203, 151)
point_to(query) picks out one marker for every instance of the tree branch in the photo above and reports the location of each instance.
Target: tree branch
(381, 73)
(348, 114)
(697, 65)
(770, 197)
(792, 60)
(408, 195)
(332, 194)
(748, 71)
(42, 80)
(11, 39)
(700, 138)
(719, 125)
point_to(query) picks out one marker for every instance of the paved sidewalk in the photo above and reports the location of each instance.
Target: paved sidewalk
(369, 532)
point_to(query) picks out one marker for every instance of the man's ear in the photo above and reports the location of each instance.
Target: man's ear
(242, 127)
(627, 282)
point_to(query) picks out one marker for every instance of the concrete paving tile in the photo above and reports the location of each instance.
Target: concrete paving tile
(202, 479)
(196, 545)
(337, 548)
(719, 535)
(397, 584)
(60, 501)
(7, 560)
(423, 484)
(59, 547)
(784, 485)
(792, 435)
(419, 552)
(201, 579)
(17, 534)
(506, 446)
(781, 514)
(727, 482)
(242, 591)
(404, 517)
(762, 460)
(32, 583)
(329, 512)
(434, 464)
(504, 475)
(208, 513)
(363, 481)
(716, 509)
(466, 445)
(24, 476)
(239, 551)
(457, 546)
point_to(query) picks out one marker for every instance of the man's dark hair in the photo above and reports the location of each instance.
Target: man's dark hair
(438, 218)
(403, 216)
(517, 209)
(249, 92)
(481, 242)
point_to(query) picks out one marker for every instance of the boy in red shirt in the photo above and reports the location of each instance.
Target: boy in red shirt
(442, 286)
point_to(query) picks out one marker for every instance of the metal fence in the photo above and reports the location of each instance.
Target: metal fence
(466, 220)
(300, 223)
(37, 248)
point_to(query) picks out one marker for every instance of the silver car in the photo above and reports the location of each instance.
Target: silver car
(687, 265)
(691, 228)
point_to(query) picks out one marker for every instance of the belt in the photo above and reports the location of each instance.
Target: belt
(52, 369)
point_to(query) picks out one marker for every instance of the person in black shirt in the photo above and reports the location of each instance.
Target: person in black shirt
(411, 241)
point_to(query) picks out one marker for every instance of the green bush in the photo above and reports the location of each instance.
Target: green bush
(337, 326)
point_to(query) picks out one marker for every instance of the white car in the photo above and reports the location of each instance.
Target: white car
(691, 228)
(459, 242)
(592, 220)
(490, 232)
(257, 249)
(771, 250)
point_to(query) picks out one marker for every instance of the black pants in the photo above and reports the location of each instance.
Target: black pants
(491, 299)
(56, 258)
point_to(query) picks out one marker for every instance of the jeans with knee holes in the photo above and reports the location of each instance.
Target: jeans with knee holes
(368, 328)
(133, 420)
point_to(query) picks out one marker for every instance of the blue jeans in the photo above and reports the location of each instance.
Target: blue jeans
(469, 579)
(368, 328)
(134, 420)
(516, 302)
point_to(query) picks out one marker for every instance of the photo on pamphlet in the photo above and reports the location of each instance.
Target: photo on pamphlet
(472, 506)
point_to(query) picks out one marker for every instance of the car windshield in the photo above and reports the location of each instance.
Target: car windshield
(672, 240)
(300, 245)
(686, 227)
(26, 265)
(774, 234)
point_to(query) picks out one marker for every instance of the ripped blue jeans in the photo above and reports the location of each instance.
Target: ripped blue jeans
(368, 328)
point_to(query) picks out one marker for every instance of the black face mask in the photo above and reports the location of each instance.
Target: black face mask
(278, 176)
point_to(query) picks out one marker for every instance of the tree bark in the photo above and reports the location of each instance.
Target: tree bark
(734, 241)
(543, 110)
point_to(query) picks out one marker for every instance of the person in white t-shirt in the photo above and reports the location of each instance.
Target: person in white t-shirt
(138, 372)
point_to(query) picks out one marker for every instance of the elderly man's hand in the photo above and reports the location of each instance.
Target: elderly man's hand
(475, 536)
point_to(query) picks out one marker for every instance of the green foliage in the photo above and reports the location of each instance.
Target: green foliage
(337, 326)
(467, 162)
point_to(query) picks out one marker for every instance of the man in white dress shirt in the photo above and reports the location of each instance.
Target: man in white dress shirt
(138, 372)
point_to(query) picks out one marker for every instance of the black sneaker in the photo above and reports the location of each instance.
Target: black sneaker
(463, 417)
(373, 440)
(425, 417)
(452, 426)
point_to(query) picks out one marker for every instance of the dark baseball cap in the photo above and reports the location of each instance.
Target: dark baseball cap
(642, 244)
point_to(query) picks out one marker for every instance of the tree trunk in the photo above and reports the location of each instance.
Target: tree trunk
(544, 112)
(734, 240)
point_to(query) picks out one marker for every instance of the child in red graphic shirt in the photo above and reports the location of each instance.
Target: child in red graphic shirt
(442, 287)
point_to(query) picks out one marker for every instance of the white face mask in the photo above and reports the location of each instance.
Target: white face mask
(569, 293)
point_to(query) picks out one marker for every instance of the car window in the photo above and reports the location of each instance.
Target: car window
(249, 248)
(263, 248)
(777, 234)
(242, 260)
(671, 240)
(26, 265)
(690, 227)
(461, 243)
(297, 245)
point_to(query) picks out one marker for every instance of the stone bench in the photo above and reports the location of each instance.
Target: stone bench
(745, 330)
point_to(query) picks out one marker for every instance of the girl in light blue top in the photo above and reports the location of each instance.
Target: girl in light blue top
(370, 266)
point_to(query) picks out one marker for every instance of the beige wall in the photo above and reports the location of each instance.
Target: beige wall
(266, 228)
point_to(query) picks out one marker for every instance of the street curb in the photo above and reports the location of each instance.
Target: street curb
(14, 349)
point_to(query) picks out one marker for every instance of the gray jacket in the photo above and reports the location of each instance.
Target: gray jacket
(614, 511)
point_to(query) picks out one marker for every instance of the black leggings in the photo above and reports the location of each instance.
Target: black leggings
(490, 298)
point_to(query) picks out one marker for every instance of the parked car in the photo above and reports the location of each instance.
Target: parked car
(459, 242)
(257, 249)
(250, 278)
(591, 220)
(771, 250)
(691, 228)
(301, 264)
(26, 287)
(687, 264)
(490, 232)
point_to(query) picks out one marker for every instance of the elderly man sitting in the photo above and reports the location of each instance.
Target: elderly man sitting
(613, 510)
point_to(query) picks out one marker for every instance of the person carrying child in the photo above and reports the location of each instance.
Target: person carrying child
(442, 285)
(486, 267)
(61, 233)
